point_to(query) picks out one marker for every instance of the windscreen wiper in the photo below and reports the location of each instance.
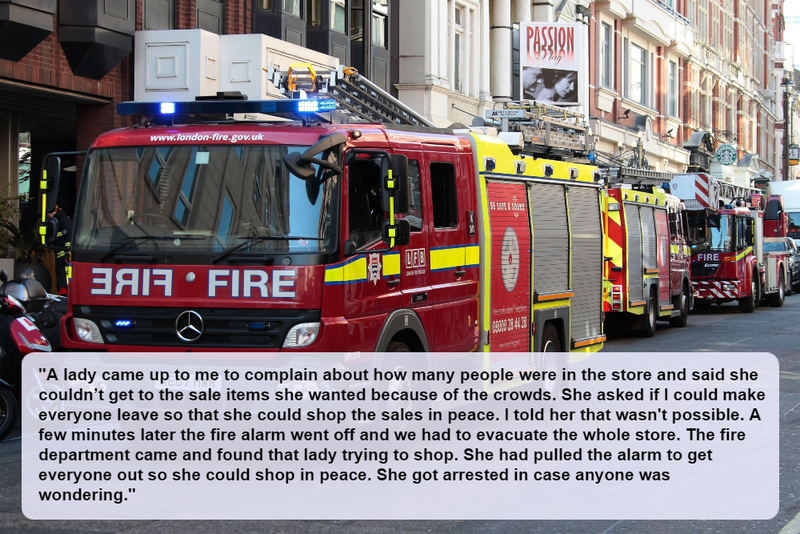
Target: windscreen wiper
(257, 239)
(129, 240)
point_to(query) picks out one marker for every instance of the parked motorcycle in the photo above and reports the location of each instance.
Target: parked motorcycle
(19, 336)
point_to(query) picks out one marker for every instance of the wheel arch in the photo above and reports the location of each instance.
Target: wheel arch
(559, 317)
(403, 325)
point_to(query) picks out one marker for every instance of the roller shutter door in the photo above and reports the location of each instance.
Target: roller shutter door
(633, 227)
(587, 262)
(550, 238)
(649, 243)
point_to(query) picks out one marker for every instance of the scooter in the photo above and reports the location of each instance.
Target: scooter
(19, 336)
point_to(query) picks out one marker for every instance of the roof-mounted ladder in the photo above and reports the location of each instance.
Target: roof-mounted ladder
(358, 99)
(545, 129)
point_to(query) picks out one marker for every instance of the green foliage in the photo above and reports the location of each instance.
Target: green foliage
(25, 246)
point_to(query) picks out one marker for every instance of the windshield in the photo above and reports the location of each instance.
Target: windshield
(709, 231)
(775, 246)
(794, 225)
(205, 199)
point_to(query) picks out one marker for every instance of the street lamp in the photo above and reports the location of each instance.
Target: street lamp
(788, 87)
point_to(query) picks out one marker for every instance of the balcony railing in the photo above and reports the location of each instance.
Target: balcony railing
(671, 10)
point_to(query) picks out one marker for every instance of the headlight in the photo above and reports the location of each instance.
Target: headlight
(87, 331)
(301, 335)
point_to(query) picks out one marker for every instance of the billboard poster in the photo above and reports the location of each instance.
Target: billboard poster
(554, 63)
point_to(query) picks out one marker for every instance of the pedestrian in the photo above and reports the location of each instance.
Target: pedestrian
(62, 245)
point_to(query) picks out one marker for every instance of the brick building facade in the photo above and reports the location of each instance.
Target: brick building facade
(63, 87)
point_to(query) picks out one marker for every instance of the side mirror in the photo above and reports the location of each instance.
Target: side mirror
(51, 178)
(302, 166)
(299, 167)
(394, 184)
(48, 230)
(400, 231)
(349, 248)
(3, 276)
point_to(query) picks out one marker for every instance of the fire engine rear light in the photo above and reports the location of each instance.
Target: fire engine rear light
(616, 297)
(301, 335)
(87, 331)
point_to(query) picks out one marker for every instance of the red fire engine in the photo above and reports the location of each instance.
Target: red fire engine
(726, 232)
(647, 255)
(306, 235)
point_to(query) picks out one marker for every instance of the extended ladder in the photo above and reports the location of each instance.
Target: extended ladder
(358, 99)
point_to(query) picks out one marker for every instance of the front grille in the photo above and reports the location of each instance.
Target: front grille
(223, 328)
(704, 269)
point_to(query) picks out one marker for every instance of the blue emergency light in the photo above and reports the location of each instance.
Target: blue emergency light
(124, 323)
(228, 107)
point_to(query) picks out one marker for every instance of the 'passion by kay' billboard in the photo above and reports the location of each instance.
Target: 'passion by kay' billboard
(554, 63)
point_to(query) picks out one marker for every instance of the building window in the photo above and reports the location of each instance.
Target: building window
(638, 75)
(702, 21)
(458, 48)
(292, 7)
(339, 16)
(705, 113)
(728, 36)
(691, 12)
(626, 68)
(357, 21)
(715, 22)
(314, 13)
(380, 23)
(605, 56)
(673, 89)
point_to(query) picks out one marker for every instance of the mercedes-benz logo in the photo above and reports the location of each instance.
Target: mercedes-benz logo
(189, 326)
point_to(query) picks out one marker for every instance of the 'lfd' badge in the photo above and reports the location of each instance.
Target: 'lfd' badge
(374, 268)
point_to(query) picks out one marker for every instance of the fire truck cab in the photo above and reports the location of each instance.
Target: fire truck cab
(310, 236)
(726, 232)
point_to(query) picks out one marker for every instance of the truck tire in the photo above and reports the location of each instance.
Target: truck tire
(550, 357)
(9, 412)
(649, 319)
(776, 299)
(683, 304)
(550, 341)
(396, 363)
(748, 304)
